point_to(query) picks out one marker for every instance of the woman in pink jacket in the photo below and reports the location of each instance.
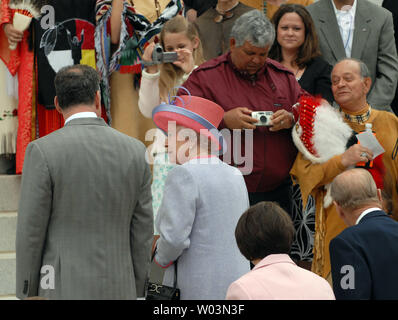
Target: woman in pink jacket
(264, 235)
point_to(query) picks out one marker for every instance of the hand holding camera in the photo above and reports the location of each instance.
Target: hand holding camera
(147, 58)
(154, 55)
(239, 118)
(185, 60)
(281, 119)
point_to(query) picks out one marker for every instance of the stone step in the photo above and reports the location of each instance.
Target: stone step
(8, 297)
(7, 274)
(8, 229)
(10, 187)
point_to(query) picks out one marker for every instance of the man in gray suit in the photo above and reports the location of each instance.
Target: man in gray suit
(362, 30)
(85, 222)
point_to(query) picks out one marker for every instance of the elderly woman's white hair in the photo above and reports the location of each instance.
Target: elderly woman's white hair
(254, 27)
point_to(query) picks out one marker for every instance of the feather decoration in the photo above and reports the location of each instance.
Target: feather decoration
(31, 8)
(24, 11)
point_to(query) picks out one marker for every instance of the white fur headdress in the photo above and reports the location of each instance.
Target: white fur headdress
(320, 133)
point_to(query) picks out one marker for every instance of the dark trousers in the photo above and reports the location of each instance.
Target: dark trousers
(282, 195)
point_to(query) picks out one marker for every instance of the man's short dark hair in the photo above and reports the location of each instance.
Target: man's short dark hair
(76, 85)
(264, 229)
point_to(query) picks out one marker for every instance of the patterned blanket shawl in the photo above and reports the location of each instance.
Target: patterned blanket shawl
(136, 31)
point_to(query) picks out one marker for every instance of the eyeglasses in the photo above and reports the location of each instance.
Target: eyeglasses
(221, 17)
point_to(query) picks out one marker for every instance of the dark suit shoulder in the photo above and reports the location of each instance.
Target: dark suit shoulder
(315, 68)
(373, 226)
(318, 62)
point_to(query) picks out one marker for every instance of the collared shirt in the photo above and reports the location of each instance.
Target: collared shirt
(81, 115)
(366, 212)
(346, 22)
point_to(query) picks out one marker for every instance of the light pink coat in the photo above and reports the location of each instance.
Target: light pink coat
(277, 277)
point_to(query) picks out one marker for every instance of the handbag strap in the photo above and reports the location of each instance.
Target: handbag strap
(175, 267)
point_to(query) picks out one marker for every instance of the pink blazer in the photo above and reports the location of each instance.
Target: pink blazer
(277, 277)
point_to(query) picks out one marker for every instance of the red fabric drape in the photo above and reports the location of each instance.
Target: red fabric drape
(10, 58)
(21, 62)
(51, 120)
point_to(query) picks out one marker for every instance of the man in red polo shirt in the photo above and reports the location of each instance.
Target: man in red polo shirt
(245, 80)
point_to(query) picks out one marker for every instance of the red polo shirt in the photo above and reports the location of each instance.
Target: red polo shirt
(274, 88)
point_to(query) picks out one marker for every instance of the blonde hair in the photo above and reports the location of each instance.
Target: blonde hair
(169, 73)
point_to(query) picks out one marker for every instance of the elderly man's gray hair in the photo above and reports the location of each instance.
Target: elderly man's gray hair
(254, 27)
(363, 68)
(354, 188)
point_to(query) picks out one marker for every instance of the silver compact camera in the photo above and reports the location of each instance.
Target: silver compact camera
(263, 118)
(159, 56)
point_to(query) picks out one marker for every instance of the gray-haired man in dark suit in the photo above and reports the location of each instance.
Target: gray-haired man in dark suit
(85, 221)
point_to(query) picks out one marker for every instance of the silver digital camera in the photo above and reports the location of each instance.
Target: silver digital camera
(159, 56)
(263, 118)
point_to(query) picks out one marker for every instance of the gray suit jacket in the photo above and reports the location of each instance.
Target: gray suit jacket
(373, 43)
(85, 215)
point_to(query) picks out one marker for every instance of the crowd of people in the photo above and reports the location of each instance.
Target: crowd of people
(305, 92)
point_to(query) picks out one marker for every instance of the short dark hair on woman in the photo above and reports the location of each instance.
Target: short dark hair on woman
(77, 84)
(310, 48)
(264, 229)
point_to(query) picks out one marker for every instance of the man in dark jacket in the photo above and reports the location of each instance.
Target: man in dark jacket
(364, 256)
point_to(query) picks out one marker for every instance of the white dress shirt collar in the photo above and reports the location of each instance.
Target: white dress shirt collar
(366, 212)
(81, 115)
(346, 22)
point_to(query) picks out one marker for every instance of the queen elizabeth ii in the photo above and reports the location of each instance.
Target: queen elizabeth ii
(202, 203)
